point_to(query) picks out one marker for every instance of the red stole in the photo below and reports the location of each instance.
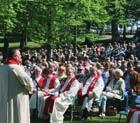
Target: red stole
(11, 61)
(50, 100)
(49, 103)
(42, 82)
(92, 84)
(52, 82)
(69, 84)
(90, 88)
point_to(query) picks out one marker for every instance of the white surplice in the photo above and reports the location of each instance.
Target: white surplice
(63, 101)
(14, 100)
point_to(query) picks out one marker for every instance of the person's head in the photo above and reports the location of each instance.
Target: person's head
(111, 73)
(119, 63)
(81, 70)
(15, 53)
(130, 66)
(99, 66)
(118, 74)
(69, 70)
(138, 67)
(99, 72)
(38, 71)
(47, 71)
(132, 57)
(107, 66)
(93, 71)
(107, 59)
(61, 70)
(56, 64)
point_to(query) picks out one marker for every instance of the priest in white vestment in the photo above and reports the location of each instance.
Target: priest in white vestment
(51, 87)
(14, 87)
(68, 91)
(38, 83)
(92, 90)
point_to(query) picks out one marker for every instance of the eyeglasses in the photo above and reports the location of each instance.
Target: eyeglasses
(61, 70)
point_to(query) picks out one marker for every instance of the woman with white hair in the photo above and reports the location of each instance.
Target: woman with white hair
(115, 89)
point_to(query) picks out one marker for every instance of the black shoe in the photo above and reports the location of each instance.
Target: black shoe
(85, 114)
(48, 118)
(35, 113)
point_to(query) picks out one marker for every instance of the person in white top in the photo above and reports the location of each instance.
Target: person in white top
(38, 84)
(91, 90)
(51, 87)
(14, 87)
(68, 91)
(115, 89)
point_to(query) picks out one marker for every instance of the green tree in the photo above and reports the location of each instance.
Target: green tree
(7, 19)
(116, 11)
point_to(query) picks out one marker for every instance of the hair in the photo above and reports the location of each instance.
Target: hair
(119, 71)
(71, 67)
(12, 52)
(37, 68)
(130, 64)
(62, 67)
(47, 71)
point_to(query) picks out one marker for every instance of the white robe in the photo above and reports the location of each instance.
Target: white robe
(14, 99)
(42, 98)
(135, 117)
(63, 101)
(33, 102)
(97, 90)
(85, 87)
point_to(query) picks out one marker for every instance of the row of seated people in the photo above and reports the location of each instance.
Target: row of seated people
(56, 91)
(52, 97)
(113, 90)
(118, 90)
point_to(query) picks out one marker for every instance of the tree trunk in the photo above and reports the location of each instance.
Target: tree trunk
(23, 39)
(115, 33)
(49, 42)
(75, 41)
(88, 26)
(6, 46)
(124, 32)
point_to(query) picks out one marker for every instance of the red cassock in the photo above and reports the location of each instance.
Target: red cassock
(50, 100)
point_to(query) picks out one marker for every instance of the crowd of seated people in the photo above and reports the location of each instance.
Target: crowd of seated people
(96, 72)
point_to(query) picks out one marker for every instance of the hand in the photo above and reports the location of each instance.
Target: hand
(44, 92)
(90, 95)
(108, 89)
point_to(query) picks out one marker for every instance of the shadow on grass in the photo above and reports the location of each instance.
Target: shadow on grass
(95, 119)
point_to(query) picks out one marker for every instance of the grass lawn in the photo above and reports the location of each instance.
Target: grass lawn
(107, 119)
(29, 44)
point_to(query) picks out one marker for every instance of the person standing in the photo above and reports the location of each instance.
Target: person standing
(14, 87)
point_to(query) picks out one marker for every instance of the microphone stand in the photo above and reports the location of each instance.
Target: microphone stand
(37, 87)
(36, 110)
